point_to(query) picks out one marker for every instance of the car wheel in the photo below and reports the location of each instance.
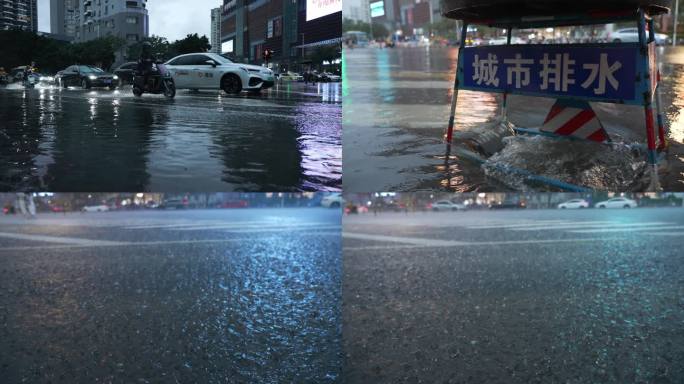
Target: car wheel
(335, 205)
(562, 207)
(231, 84)
(63, 83)
(617, 41)
(601, 206)
(137, 91)
(627, 206)
(85, 84)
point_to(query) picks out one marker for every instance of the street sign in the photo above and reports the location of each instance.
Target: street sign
(377, 9)
(601, 72)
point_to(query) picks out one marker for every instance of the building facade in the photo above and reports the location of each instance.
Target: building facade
(215, 38)
(284, 27)
(19, 14)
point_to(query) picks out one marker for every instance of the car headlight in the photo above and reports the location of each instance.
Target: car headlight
(92, 77)
(116, 77)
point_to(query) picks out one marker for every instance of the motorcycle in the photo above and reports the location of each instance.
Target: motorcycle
(158, 81)
(29, 80)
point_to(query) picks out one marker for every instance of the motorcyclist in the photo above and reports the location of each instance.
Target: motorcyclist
(30, 70)
(145, 63)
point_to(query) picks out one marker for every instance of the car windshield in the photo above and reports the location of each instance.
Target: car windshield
(87, 69)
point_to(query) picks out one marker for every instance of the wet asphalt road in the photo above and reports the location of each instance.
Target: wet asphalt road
(591, 296)
(286, 139)
(176, 297)
(396, 106)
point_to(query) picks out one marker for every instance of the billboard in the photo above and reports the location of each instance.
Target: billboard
(227, 47)
(377, 8)
(320, 8)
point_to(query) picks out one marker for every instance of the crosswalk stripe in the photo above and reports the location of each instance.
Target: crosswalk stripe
(528, 224)
(281, 229)
(246, 227)
(60, 239)
(191, 224)
(637, 229)
(403, 240)
(587, 225)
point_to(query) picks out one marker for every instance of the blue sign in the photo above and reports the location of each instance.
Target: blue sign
(600, 72)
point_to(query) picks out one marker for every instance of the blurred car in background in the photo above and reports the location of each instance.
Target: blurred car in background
(446, 205)
(95, 208)
(176, 203)
(333, 200)
(574, 204)
(617, 202)
(125, 73)
(509, 204)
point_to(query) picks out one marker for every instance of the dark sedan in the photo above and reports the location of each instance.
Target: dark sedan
(125, 73)
(86, 76)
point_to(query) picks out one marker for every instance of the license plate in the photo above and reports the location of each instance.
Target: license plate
(108, 81)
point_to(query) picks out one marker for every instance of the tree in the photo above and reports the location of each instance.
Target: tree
(160, 48)
(98, 52)
(192, 43)
(327, 53)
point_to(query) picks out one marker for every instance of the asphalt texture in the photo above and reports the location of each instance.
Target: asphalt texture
(549, 296)
(287, 138)
(396, 106)
(212, 296)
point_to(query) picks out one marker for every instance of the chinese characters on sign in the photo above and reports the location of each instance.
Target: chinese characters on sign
(583, 72)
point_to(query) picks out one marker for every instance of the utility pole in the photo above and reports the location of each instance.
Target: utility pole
(676, 17)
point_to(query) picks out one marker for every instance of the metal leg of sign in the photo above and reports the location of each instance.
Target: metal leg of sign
(648, 104)
(454, 98)
(662, 135)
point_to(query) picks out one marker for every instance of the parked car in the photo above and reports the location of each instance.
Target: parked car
(95, 208)
(211, 71)
(574, 204)
(330, 77)
(125, 73)
(86, 76)
(333, 200)
(176, 203)
(617, 202)
(631, 35)
(290, 76)
(446, 205)
(508, 204)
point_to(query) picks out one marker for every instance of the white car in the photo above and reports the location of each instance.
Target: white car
(631, 35)
(333, 200)
(291, 76)
(446, 205)
(503, 40)
(95, 208)
(212, 71)
(574, 204)
(617, 202)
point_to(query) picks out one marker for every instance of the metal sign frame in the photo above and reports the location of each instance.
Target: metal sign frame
(647, 77)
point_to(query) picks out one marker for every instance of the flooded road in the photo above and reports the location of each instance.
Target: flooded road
(396, 108)
(287, 139)
(196, 296)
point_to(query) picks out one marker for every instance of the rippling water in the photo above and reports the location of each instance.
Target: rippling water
(286, 139)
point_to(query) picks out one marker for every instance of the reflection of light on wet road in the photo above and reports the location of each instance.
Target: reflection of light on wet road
(677, 118)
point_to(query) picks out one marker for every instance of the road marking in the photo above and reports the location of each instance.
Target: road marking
(281, 229)
(610, 225)
(529, 224)
(482, 243)
(94, 244)
(667, 233)
(404, 240)
(246, 228)
(608, 230)
(201, 224)
(61, 240)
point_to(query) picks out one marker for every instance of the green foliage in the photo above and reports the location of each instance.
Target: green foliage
(192, 43)
(325, 53)
(160, 48)
(379, 29)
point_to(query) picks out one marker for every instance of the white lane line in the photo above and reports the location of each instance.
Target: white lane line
(191, 224)
(60, 239)
(246, 227)
(667, 233)
(518, 224)
(484, 243)
(281, 229)
(611, 225)
(154, 243)
(609, 230)
(403, 240)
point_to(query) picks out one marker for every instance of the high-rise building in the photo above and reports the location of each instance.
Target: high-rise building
(216, 30)
(290, 29)
(19, 14)
(85, 20)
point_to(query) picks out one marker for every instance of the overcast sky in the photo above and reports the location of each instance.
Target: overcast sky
(173, 19)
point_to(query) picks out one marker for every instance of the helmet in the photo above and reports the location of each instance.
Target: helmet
(146, 47)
